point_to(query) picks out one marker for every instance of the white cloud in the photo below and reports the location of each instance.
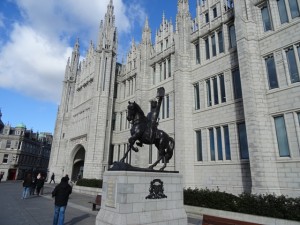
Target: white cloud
(33, 60)
(30, 64)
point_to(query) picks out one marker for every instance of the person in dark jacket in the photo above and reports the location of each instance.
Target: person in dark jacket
(26, 185)
(52, 178)
(39, 184)
(61, 194)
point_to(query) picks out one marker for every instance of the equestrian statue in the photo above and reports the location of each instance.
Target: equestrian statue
(144, 130)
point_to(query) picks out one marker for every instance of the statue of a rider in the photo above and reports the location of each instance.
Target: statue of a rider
(154, 113)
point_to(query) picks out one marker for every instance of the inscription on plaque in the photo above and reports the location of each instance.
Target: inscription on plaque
(111, 193)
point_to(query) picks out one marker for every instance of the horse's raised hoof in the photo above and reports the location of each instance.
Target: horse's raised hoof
(135, 149)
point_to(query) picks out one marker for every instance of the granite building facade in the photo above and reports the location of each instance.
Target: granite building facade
(231, 76)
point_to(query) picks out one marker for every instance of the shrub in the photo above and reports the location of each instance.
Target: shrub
(268, 205)
(89, 183)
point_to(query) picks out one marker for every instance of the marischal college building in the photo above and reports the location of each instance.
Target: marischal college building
(232, 97)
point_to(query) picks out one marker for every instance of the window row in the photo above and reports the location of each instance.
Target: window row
(215, 89)
(164, 44)
(286, 10)
(214, 44)
(292, 55)
(126, 88)
(218, 146)
(161, 71)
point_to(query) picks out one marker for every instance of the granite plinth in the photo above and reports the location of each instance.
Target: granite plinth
(142, 198)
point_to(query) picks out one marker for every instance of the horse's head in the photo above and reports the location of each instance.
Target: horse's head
(133, 111)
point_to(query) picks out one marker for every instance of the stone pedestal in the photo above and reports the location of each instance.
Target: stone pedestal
(141, 198)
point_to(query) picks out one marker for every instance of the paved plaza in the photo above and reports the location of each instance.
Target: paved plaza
(39, 210)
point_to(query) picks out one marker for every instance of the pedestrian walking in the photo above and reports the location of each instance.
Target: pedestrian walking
(1, 176)
(26, 185)
(52, 178)
(61, 194)
(33, 185)
(39, 184)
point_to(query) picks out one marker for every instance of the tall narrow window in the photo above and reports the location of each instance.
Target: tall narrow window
(207, 48)
(237, 87)
(111, 155)
(219, 142)
(8, 143)
(271, 71)
(215, 13)
(121, 118)
(294, 8)
(169, 67)
(221, 42)
(282, 11)
(227, 143)
(167, 106)
(206, 17)
(232, 37)
(165, 70)
(160, 72)
(119, 152)
(113, 122)
(282, 139)
(222, 88)
(5, 158)
(153, 75)
(212, 144)
(199, 145)
(197, 96)
(150, 154)
(197, 50)
(290, 55)
(216, 94)
(213, 45)
(208, 92)
(243, 141)
(266, 19)
(163, 108)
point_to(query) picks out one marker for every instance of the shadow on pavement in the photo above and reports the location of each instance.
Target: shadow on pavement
(76, 220)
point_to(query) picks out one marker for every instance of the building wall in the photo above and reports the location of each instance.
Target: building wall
(255, 163)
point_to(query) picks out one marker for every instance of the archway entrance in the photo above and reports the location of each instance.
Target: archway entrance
(78, 163)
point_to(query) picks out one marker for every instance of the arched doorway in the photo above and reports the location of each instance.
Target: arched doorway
(78, 163)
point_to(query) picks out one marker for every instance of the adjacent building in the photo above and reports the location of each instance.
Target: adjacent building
(23, 151)
(232, 102)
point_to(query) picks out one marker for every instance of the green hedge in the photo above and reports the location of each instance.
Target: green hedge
(268, 205)
(89, 183)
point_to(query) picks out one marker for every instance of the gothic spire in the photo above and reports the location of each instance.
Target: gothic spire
(75, 56)
(107, 32)
(146, 36)
(183, 6)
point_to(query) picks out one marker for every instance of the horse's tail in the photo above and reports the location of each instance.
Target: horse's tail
(170, 149)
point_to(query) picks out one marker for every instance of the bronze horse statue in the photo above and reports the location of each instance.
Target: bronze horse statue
(145, 133)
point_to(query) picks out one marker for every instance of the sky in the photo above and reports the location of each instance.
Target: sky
(37, 37)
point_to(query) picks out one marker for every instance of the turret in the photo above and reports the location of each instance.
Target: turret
(75, 58)
(146, 36)
(107, 31)
(183, 24)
